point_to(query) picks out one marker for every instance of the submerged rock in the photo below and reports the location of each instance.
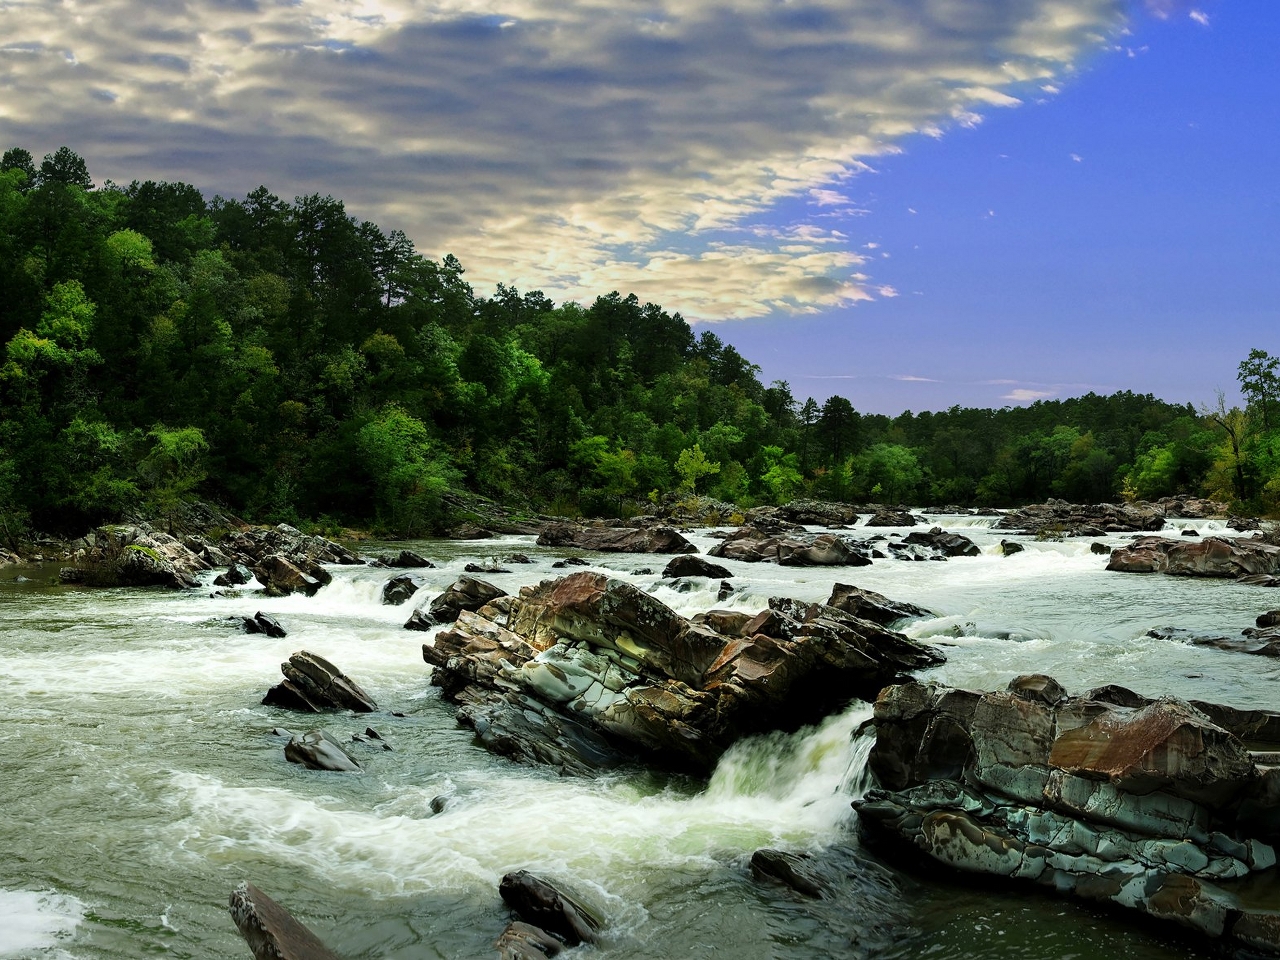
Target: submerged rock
(585, 671)
(1158, 805)
(319, 750)
(1264, 643)
(312, 685)
(270, 930)
(795, 870)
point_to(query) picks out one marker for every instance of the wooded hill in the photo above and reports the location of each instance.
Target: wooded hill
(295, 363)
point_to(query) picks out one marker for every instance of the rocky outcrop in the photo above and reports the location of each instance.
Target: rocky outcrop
(1159, 805)
(869, 605)
(585, 667)
(252, 546)
(688, 565)
(270, 930)
(320, 750)
(542, 904)
(465, 593)
(938, 543)
(1084, 520)
(818, 513)
(615, 539)
(401, 588)
(280, 576)
(1210, 557)
(891, 518)
(312, 685)
(128, 555)
(794, 549)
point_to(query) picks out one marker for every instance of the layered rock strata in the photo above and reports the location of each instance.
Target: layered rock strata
(586, 672)
(1163, 806)
(1210, 557)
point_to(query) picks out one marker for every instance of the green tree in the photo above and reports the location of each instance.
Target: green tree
(692, 465)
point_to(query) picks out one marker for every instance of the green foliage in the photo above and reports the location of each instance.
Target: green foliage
(692, 465)
(407, 479)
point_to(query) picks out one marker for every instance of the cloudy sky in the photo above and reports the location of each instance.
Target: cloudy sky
(913, 203)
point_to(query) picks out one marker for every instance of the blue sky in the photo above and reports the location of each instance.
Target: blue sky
(913, 203)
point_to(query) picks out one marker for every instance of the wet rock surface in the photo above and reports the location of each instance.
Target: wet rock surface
(401, 588)
(465, 593)
(688, 565)
(872, 606)
(320, 750)
(270, 930)
(546, 906)
(312, 684)
(264, 624)
(756, 545)
(585, 672)
(1159, 805)
(1261, 642)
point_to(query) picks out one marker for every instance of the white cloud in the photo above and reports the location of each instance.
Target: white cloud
(1022, 395)
(910, 379)
(571, 145)
(1077, 158)
(1200, 17)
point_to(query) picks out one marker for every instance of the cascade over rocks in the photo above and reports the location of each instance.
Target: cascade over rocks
(1210, 557)
(312, 685)
(465, 593)
(1158, 805)
(1084, 520)
(401, 588)
(585, 672)
(657, 539)
(270, 930)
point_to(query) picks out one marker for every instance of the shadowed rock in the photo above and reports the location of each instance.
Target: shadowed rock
(688, 565)
(465, 593)
(319, 750)
(270, 930)
(401, 588)
(408, 560)
(795, 870)
(264, 624)
(872, 606)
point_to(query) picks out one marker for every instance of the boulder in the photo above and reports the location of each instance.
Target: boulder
(1210, 557)
(465, 593)
(615, 539)
(824, 550)
(891, 518)
(818, 513)
(236, 575)
(408, 560)
(1265, 643)
(943, 543)
(688, 565)
(270, 930)
(1156, 805)
(134, 555)
(872, 606)
(586, 672)
(1009, 547)
(264, 624)
(319, 750)
(252, 546)
(1269, 619)
(547, 907)
(312, 684)
(401, 588)
(280, 576)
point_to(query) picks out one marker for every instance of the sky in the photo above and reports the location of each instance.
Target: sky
(912, 203)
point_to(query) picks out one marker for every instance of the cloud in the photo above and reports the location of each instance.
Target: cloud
(1022, 395)
(1200, 17)
(911, 379)
(571, 145)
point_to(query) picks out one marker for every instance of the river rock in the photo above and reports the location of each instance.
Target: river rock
(818, 513)
(943, 543)
(891, 518)
(280, 576)
(319, 750)
(524, 941)
(401, 588)
(270, 930)
(824, 550)
(1009, 547)
(615, 539)
(1210, 557)
(543, 904)
(795, 870)
(1149, 804)
(1265, 643)
(1075, 519)
(872, 606)
(688, 565)
(236, 575)
(252, 546)
(1269, 619)
(647, 683)
(264, 624)
(312, 684)
(408, 560)
(465, 593)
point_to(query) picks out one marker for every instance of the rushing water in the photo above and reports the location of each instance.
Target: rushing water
(140, 778)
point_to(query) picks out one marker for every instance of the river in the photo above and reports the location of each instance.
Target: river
(140, 779)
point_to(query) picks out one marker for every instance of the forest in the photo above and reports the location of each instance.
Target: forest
(293, 363)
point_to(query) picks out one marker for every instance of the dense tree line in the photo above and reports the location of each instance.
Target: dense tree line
(293, 362)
